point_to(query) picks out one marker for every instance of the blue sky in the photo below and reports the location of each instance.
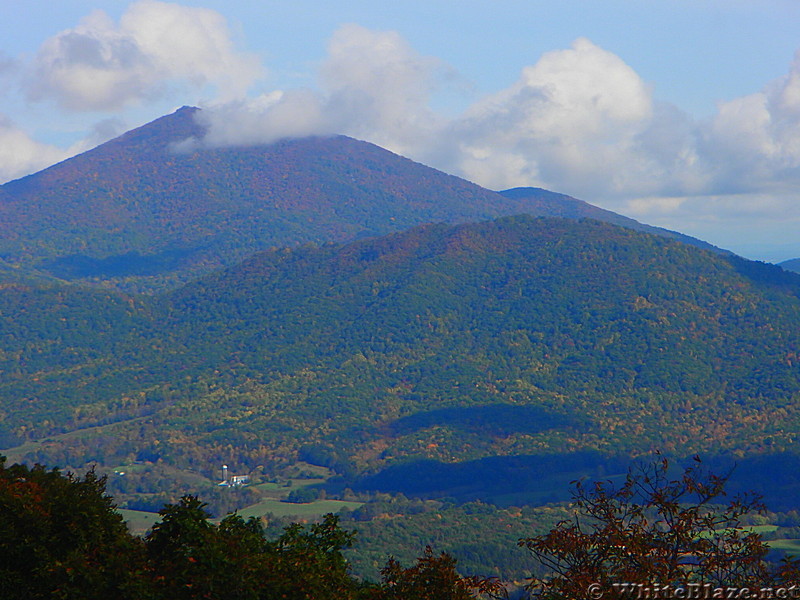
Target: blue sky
(684, 114)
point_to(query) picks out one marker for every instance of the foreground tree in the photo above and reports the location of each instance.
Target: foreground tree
(60, 537)
(192, 558)
(654, 530)
(189, 557)
(435, 578)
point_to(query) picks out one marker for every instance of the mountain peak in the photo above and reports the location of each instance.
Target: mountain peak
(135, 212)
(171, 128)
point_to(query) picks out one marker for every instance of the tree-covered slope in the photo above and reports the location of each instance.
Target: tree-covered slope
(526, 338)
(582, 320)
(147, 210)
(584, 294)
(64, 347)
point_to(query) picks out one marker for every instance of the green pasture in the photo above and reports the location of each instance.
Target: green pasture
(288, 509)
(139, 521)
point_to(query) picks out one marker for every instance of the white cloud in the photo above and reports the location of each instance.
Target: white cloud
(583, 122)
(744, 169)
(373, 86)
(191, 43)
(379, 88)
(662, 204)
(21, 155)
(571, 119)
(265, 119)
(100, 65)
(579, 120)
(754, 141)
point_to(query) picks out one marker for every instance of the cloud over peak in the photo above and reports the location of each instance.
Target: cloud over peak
(578, 120)
(378, 87)
(372, 85)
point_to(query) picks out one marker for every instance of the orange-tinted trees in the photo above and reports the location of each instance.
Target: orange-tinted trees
(654, 530)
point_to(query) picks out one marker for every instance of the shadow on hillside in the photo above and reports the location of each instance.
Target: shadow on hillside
(776, 477)
(491, 419)
(501, 480)
(519, 480)
(78, 266)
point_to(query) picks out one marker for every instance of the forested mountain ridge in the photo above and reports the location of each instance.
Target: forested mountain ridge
(147, 210)
(518, 308)
(791, 265)
(479, 348)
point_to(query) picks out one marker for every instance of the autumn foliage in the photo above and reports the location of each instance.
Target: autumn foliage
(655, 530)
(60, 537)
